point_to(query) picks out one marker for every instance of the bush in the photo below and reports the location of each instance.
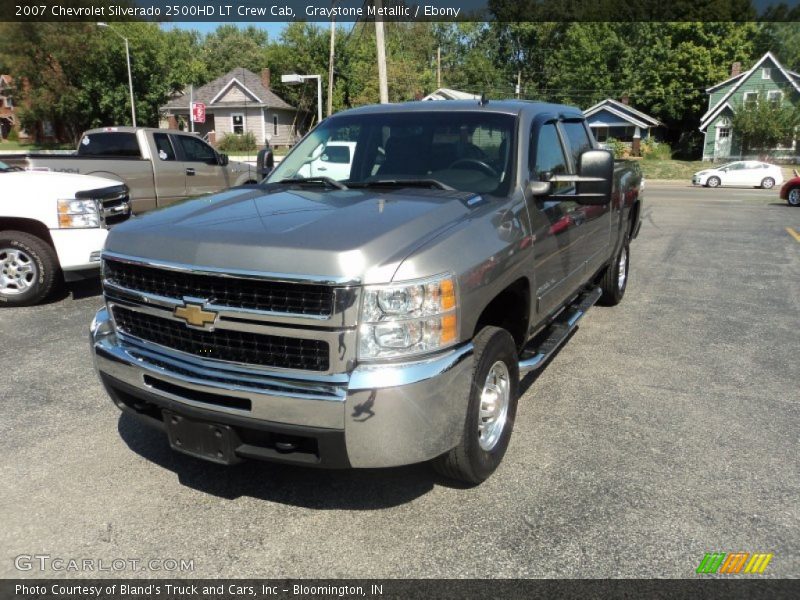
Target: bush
(13, 135)
(616, 147)
(238, 143)
(655, 150)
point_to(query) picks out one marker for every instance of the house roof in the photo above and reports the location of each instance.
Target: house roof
(624, 112)
(714, 111)
(6, 80)
(250, 83)
(449, 94)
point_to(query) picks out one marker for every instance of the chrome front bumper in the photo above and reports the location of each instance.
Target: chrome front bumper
(388, 415)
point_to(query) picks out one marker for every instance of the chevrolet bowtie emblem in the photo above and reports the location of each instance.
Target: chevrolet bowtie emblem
(195, 316)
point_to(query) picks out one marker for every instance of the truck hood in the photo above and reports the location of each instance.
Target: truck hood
(336, 235)
(49, 185)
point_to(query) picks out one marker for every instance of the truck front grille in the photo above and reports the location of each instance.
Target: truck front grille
(227, 345)
(251, 294)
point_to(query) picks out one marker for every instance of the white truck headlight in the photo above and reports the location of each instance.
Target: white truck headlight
(74, 213)
(410, 318)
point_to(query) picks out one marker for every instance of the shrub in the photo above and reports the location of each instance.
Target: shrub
(655, 150)
(238, 143)
(13, 135)
(616, 147)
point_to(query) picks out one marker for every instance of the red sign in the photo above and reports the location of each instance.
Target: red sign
(198, 112)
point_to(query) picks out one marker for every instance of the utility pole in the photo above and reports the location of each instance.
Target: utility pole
(331, 56)
(519, 83)
(439, 67)
(379, 41)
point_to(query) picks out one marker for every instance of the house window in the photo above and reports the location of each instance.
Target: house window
(238, 124)
(774, 97)
(601, 133)
(723, 132)
(9, 102)
(275, 125)
(750, 99)
(766, 73)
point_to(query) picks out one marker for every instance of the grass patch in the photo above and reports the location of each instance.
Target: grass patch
(678, 170)
(27, 147)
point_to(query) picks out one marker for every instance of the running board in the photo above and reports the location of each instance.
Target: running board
(533, 358)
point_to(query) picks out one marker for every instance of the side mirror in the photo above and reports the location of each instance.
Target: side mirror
(538, 188)
(222, 160)
(595, 177)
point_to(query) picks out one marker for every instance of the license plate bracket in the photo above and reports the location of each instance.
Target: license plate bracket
(209, 441)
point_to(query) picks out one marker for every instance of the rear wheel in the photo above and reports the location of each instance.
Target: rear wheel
(28, 269)
(794, 197)
(491, 410)
(615, 279)
(713, 182)
(767, 183)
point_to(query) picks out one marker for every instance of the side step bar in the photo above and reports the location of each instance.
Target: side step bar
(534, 357)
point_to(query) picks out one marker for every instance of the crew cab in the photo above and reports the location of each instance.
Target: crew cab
(159, 166)
(52, 229)
(379, 318)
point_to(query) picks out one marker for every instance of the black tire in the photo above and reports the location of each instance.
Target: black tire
(793, 197)
(767, 183)
(18, 248)
(469, 462)
(713, 182)
(612, 285)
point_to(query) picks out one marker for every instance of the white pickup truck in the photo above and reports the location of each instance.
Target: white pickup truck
(52, 228)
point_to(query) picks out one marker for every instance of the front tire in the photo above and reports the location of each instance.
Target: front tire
(615, 279)
(491, 410)
(767, 183)
(713, 182)
(28, 269)
(793, 198)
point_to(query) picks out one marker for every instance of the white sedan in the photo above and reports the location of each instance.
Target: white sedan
(745, 173)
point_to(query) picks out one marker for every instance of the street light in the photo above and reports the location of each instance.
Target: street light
(295, 79)
(128, 58)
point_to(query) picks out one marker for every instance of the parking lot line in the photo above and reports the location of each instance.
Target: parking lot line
(794, 234)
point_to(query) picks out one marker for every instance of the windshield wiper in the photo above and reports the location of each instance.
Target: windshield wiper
(424, 183)
(324, 180)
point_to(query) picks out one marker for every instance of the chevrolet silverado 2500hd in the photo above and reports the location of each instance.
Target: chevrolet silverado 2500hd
(379, 318)
(53, 227)
(159, 166)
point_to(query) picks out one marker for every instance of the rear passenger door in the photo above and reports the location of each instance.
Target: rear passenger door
(169, 172)
(204, 175)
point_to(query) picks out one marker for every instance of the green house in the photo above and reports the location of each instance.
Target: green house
(767, 81)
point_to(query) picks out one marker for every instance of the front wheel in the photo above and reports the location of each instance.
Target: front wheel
(491, 410)
(767, 183)
(794, 197)
(28, 269)
(615, 279)
(713, 182)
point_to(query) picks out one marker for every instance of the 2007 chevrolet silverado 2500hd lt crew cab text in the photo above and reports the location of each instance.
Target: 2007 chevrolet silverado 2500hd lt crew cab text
(159, 166)
(53, 227)
(381, 319)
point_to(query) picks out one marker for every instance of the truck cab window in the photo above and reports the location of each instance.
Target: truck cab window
(119, 144)
(579, 141)
(195, 150)
(548, 157)
(164, 146)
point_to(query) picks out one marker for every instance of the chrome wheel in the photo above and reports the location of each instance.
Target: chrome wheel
(493, 412)
(713, 182)
(18, 271)
(622, 268)
(794, 197)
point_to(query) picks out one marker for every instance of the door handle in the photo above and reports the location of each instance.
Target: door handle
(190, 171)
(322, 169)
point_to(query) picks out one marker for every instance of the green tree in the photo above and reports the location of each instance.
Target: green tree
(761, 126)
(229, 47)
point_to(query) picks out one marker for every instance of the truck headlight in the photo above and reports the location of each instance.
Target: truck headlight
(74, 213)
(408, 318)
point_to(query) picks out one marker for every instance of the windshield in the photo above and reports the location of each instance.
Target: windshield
(468, 151)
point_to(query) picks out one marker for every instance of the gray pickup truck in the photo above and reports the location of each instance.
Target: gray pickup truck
(379, 319)
(159, 166)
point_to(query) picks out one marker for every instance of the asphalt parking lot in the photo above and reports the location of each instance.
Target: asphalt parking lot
(667, 427)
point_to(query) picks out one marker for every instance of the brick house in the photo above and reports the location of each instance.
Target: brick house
(239, 101)
(8, 120)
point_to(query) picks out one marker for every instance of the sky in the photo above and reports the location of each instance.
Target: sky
(273, 29)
